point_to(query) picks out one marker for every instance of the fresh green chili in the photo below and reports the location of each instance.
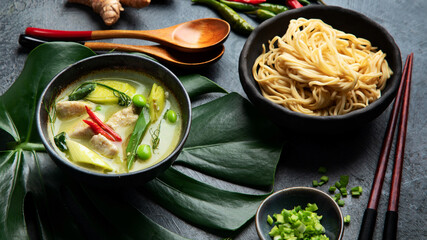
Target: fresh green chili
(82, 91)
(236, 22)
(274, 8)
(239, 6)
(60, 141)
(304, 2)
(262, 14)
(135, 138)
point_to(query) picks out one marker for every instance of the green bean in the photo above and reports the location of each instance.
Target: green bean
(82, 91)
(274, 8)
(236, 22)
(238, 6)
(60, 141)
(135, 138)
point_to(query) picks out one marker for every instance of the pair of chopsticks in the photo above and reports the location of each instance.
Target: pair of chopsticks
(370, 215)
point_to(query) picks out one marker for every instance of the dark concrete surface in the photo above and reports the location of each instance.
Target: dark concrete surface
(354, 154)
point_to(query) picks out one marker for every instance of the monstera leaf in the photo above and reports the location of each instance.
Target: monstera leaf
(229, 141)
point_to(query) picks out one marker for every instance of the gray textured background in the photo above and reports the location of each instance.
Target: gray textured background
(355, 154)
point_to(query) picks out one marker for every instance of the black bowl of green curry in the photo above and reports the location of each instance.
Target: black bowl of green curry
(112, 63)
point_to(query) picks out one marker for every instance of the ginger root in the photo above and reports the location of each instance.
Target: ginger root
(110, 9)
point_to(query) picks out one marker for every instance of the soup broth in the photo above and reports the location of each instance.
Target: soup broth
(161, 135)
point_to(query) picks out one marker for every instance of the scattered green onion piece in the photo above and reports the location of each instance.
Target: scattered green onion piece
(357, 189)
(332, 189)
(337, 184)
(321, 183)
(315, 183)
(343, 191)
(347, 219)
(355, 194)
(338, 196)
(322, 170)
(324, 179)
(341, 202)
(344, 180)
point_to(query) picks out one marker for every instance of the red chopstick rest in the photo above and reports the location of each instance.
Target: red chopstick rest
(59, 34)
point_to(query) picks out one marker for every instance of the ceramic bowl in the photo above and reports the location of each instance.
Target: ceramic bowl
(345, 20)
(289, 198)
(112, 64)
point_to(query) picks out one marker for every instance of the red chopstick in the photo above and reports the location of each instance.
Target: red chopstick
(390, 227)
(370, 215)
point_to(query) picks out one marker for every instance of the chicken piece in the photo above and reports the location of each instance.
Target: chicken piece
(69, 109)
(81, 131)
(104, 146)
(123, 118)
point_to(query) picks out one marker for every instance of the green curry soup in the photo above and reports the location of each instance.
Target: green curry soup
(94, 150)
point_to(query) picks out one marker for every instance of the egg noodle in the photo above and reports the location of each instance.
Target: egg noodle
(318, 70)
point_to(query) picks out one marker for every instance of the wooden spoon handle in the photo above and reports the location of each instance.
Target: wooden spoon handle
(151, 35)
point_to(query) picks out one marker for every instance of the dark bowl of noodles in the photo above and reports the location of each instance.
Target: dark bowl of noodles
(100, 90)
(325, 69)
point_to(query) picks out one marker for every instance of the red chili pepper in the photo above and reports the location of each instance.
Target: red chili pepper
(250, 1)
(98, 130)
(293, 4)
(103, 125)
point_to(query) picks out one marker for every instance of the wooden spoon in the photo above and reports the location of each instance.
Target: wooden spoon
(159, 52)
(194, 36)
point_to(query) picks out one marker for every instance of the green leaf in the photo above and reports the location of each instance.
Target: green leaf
(236, 144)
(32, 187)
(197, 85)
(203, 204)
(21, 98)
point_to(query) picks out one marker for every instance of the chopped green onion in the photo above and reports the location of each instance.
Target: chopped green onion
(324, 179)
(337, 184)
(343, 191)
(344, 180)
(315, 183)
(347, 219)
(270, 220)
(332, 189)
(357, 189)
(322, 170)
(341, 202)
(297, 223)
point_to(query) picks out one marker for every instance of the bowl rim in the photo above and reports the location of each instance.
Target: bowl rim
(75, 167)
(255, 94)
(292, 189)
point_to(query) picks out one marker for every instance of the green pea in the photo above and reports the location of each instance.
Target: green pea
(144, 151)
(139, 100)
(171, 116)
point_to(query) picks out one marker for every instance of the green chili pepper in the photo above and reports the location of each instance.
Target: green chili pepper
(236, 22)
(274, 8)
(60, 141)
(304, 2)
(81, 92)
(262, 14)
(136, 137)
(239, 6)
